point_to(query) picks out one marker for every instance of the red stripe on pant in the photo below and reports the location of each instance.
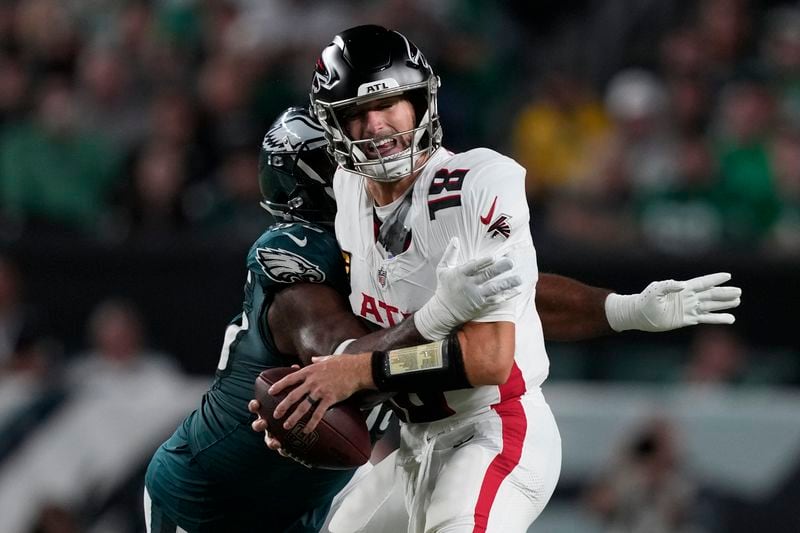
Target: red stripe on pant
(515, 425)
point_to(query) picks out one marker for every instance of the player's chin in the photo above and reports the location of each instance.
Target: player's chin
(367, 399)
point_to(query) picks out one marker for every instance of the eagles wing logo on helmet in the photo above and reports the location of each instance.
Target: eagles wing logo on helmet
(271, 140)
(287, 267)
(292, 133)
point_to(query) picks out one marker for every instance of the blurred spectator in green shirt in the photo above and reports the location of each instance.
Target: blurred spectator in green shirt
(746, 192)
(51, 172)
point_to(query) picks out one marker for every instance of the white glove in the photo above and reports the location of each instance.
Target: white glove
(465, 292)
(670, 304)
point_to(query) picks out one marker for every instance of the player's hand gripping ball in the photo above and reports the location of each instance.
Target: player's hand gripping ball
(340, 441)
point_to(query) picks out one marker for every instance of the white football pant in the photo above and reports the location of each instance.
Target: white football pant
(488, 472)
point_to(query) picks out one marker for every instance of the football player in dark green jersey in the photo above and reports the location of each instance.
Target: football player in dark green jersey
(214, 474)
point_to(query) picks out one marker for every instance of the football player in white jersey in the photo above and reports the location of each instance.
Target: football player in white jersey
(480, 450)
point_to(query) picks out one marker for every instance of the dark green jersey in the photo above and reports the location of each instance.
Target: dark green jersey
(285, 254)
(215, 472)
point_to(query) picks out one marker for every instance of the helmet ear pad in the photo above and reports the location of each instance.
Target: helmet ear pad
(419, 101)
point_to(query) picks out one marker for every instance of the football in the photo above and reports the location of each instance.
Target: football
(340, 441)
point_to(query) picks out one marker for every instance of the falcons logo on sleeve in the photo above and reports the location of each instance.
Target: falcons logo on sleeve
(287, 267)
(498, 227)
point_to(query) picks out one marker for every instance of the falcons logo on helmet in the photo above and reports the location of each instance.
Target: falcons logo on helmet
(323, 78)
(287, 267)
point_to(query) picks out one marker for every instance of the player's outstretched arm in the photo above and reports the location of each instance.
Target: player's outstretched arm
(572, 311)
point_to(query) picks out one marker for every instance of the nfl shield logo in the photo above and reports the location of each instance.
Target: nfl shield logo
(382, 277)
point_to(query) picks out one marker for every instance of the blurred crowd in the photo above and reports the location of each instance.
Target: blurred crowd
(695, 148)
(76, 428)
(671, 124)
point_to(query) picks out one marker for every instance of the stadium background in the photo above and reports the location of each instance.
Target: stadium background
(662, 140)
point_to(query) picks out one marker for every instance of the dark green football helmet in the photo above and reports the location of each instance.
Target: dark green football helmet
(295, 171)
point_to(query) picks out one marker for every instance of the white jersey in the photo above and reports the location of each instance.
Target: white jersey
(478, 196)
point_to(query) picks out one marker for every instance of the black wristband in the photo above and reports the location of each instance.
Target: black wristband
(438, 366)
